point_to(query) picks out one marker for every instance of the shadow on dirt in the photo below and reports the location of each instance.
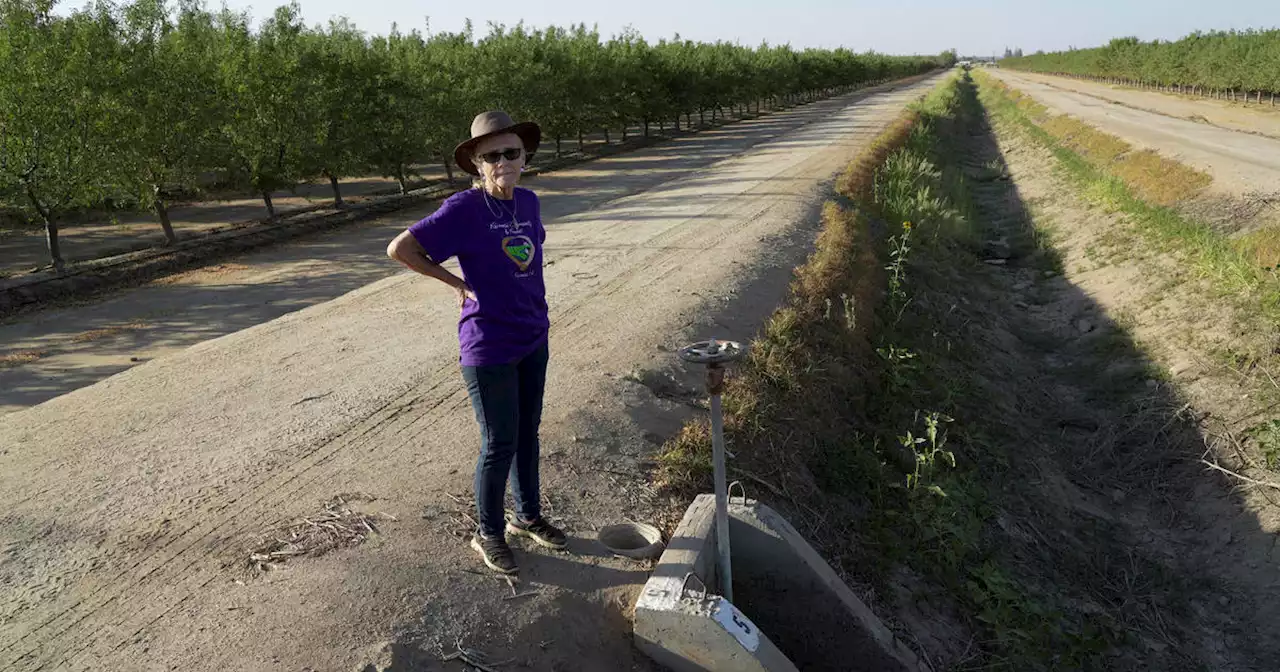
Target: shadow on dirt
(318, 267)
(1100, 546)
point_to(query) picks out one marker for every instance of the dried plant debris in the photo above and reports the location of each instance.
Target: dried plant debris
(476, 659)
(336, 526)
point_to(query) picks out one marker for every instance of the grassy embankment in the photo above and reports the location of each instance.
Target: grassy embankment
(872, 411)
(1151, 193)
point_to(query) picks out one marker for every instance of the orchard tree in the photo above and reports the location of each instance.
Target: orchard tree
(170, 80)
(138, 101)
(58, 120)
(1245, 61)
(401, 129)
(448, 93)
(342, 93)
(632, 73)
(273, 117)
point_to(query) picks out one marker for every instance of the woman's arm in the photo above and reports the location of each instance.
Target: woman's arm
(406, 250)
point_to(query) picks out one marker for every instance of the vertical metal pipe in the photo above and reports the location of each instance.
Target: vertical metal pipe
(722, 503)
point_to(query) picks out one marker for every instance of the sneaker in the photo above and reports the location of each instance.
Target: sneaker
(496, 553)
(539, 530)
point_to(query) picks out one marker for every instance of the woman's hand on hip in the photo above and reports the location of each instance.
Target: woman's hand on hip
(464, 293)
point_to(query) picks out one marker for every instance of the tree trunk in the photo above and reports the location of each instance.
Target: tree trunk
(558, 150)
(337, 193)
(271, 209)
(448, 169)
(580, 141)
(624, 134)
(702, 118)
(50, 229)
(402, 179)
(646, 127)
(606, 134)
(162, 211)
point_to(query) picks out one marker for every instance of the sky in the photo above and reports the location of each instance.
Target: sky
(972, 27)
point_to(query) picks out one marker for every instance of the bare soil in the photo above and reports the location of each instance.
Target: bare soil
(271, 384)
(95, 235)
(1247, 118)
(1240, 162)
(1103, 373)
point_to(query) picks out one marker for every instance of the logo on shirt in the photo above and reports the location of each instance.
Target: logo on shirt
(520, 250)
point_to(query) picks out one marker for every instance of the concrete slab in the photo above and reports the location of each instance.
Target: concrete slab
(783, 588)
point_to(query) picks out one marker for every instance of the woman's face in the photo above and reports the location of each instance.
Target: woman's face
(506, 172)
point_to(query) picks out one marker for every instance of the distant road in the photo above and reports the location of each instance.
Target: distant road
(1240, 162)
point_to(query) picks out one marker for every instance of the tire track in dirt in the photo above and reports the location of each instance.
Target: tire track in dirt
(90, 628)
(235, 507)
(667, 255)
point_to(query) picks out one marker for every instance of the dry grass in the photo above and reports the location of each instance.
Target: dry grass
(1098, 146)
(106, 332)
(1262, 246)
(803, 371)
(336, 526)
(1159, 180)
(16, 359)
(1156, 179)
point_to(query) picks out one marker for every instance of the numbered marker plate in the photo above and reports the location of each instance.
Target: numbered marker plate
(737, 624)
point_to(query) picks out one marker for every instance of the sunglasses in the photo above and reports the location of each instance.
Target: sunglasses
(510, 154)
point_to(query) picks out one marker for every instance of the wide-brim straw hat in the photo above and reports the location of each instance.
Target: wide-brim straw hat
(491, 123)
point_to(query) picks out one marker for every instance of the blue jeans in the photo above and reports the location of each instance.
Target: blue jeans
(507, 399)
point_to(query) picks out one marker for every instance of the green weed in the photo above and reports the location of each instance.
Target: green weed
(1267, 436)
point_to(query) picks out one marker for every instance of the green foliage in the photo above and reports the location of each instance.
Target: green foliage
(125, 103)
(941, 520)
(929, 450)
(59, 109)
(1267, 435)
(1231, 60)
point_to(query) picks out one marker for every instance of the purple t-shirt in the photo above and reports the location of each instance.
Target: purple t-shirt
(501, 259)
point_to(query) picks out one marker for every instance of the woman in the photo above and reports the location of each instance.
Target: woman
(496, 232)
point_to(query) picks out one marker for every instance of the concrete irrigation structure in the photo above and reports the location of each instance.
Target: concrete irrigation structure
(791, 612)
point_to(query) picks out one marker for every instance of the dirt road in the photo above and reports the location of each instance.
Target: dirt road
(134, 502)
(1258, 119)
(54, 352)
(1239, 162)
(24, 249)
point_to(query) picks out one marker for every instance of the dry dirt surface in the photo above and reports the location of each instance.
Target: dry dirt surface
(1240, 162)
(1119, 395)
(24, 249)
(1249, 118)
(133, 504)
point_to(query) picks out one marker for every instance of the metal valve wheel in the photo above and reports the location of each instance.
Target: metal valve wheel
(713, 352)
